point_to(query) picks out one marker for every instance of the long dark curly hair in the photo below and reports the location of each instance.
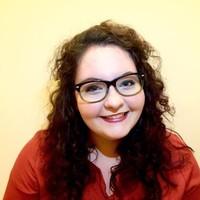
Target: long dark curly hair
(144, 155)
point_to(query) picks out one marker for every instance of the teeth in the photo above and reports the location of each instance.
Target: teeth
(115, 116)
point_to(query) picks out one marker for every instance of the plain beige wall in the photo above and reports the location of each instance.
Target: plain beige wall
(31, 30)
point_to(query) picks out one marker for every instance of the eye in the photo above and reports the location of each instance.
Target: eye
(127, 83)
(92, 88)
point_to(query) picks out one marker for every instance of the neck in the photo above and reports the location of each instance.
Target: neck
(105, 146)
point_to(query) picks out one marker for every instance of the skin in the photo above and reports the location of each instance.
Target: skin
(112, 118)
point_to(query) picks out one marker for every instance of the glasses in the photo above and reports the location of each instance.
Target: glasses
(96, 90)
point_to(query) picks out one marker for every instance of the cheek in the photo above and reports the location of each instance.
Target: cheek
(136, 103)
(88, 111)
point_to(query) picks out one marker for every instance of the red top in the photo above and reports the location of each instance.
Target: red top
(27, 183)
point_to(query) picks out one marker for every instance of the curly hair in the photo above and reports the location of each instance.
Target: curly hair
(143, 152)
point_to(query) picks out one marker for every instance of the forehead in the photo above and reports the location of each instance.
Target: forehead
(104, 62)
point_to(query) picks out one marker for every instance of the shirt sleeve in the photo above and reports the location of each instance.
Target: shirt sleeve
(190, 174)
(192, 179)
(23, 183)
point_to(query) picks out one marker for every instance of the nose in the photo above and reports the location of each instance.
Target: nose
(114, 101)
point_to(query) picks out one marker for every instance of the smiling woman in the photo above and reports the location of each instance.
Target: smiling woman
(106, 138)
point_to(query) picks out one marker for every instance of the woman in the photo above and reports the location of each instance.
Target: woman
(106, 138)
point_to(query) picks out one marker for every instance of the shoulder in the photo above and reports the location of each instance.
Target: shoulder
(174, 138)
(180, 151)
(31, 152)
(33, 144)
(177, 146)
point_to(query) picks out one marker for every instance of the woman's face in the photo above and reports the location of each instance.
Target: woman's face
(112, 118)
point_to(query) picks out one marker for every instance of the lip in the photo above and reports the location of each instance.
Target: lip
(115, 118)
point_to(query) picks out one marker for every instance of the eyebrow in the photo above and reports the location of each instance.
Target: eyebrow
(97, 79)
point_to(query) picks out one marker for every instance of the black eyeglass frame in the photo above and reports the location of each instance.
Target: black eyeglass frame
(113, 83)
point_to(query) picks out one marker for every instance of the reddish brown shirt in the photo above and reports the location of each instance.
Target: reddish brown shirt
(27, 183)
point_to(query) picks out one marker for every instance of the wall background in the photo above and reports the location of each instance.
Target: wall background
(31, 30)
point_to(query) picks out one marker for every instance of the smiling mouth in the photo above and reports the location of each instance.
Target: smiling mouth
(115, 118)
